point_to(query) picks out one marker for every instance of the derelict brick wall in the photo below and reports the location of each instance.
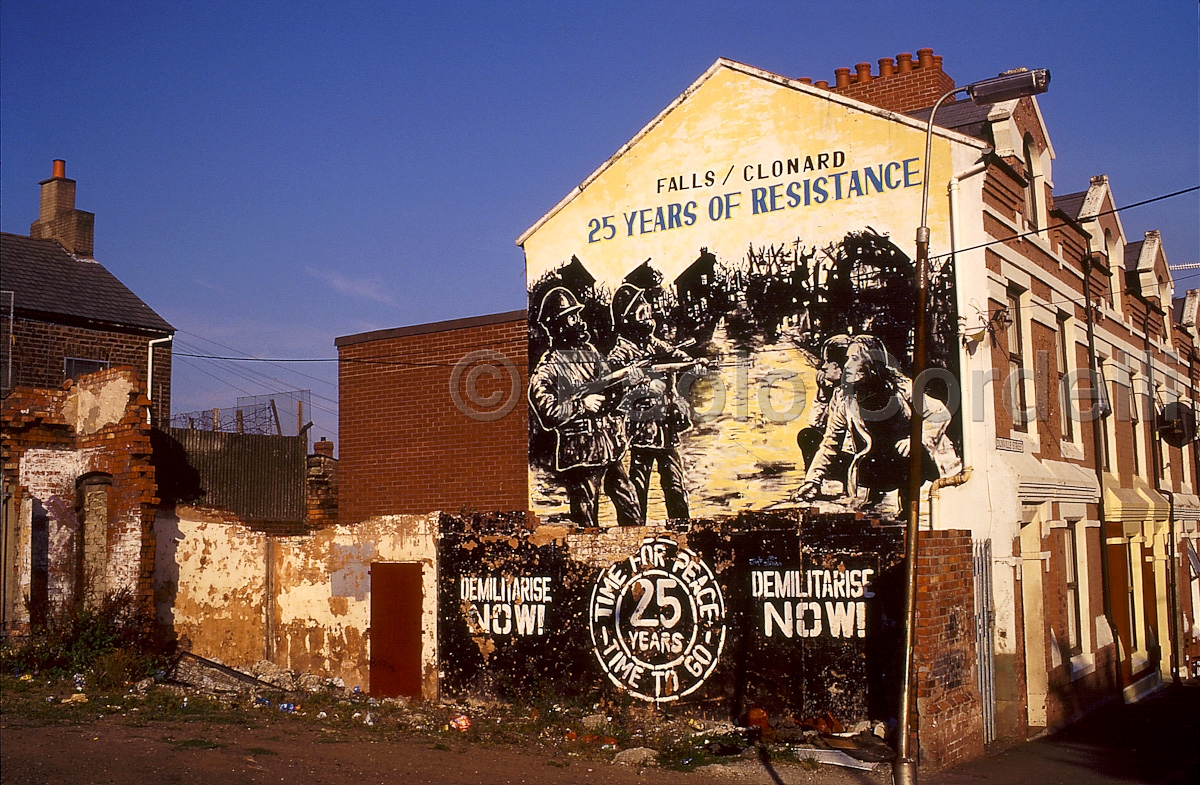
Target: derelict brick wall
(36, 419)
(40, 348)
(949, 705)
(406, 447)
(321, 491)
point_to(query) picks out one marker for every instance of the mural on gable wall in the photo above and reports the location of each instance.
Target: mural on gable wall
(721, 319)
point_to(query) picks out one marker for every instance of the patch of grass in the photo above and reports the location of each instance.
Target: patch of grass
(164, 705)
(808, 763)
(260, 751)
(440, 746)
(196, 744)
(26, 700)
(685, 755)
(331, 740)
(558, 764)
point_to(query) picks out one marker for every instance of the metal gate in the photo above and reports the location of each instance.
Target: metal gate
(985, 629)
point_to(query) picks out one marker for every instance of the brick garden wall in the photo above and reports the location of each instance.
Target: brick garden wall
(949, 706)
(406, 445)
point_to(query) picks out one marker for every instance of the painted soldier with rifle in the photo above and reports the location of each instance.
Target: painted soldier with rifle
(656, 414)
(574, 394)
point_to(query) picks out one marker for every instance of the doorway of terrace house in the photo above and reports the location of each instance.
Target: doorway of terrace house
(397, 597)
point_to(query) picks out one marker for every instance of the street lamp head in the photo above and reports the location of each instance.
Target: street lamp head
(1009, 86)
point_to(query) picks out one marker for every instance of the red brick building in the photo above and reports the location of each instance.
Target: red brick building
(79, 497)
(432, 417)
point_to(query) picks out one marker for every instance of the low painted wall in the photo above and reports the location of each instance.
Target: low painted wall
(210, 582)
(795, 613)
(239, 595)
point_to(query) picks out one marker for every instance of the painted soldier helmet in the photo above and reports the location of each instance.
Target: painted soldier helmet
(557, 303)
(624, 301)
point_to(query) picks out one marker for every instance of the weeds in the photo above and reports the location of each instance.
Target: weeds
(196, 744)
(114, 641)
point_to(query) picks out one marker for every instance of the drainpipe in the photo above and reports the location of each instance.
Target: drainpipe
(150, 371)
(945, 482)
(1097, 451)
(1172, 586)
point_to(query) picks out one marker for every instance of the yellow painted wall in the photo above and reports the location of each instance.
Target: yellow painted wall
(734, 132)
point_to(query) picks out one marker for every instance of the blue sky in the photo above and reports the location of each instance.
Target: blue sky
(269, 176)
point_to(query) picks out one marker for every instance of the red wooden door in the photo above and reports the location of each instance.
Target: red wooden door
(396, 599)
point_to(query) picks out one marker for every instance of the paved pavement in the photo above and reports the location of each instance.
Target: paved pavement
(1156, 740)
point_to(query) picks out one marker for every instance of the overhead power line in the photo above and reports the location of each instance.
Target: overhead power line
(419, 364)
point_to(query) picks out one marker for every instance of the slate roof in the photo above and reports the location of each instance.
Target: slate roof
(47, 280)
(966, 117)
(1133, 252)
(1071, 204)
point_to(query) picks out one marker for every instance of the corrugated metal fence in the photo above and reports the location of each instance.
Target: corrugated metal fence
(260, 478)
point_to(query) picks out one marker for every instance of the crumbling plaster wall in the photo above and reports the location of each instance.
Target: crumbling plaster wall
(49, 479)
(303, 602)
(323, 595)
(210, 584)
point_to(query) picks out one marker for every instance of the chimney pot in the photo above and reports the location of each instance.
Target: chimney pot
(904, 62)
(805, 80)
(821, 83)
(937, 62)
(864, 72)
(60, 169)
(886, 68)
(925, 58)
(841, 77)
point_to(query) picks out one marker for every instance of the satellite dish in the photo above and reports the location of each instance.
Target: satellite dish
(1177, 424)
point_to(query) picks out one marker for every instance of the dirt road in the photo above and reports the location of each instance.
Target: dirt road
(268, 749)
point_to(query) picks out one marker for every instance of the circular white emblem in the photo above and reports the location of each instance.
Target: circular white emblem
(658, 621)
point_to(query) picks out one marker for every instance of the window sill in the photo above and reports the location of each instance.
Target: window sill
(1070, 450)
(1081, 665)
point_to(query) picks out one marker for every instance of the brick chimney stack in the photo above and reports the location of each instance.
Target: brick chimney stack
(323, 447)
(57, 217)
(901, 86)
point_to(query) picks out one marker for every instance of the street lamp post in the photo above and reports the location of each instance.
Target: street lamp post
(1006, 87)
